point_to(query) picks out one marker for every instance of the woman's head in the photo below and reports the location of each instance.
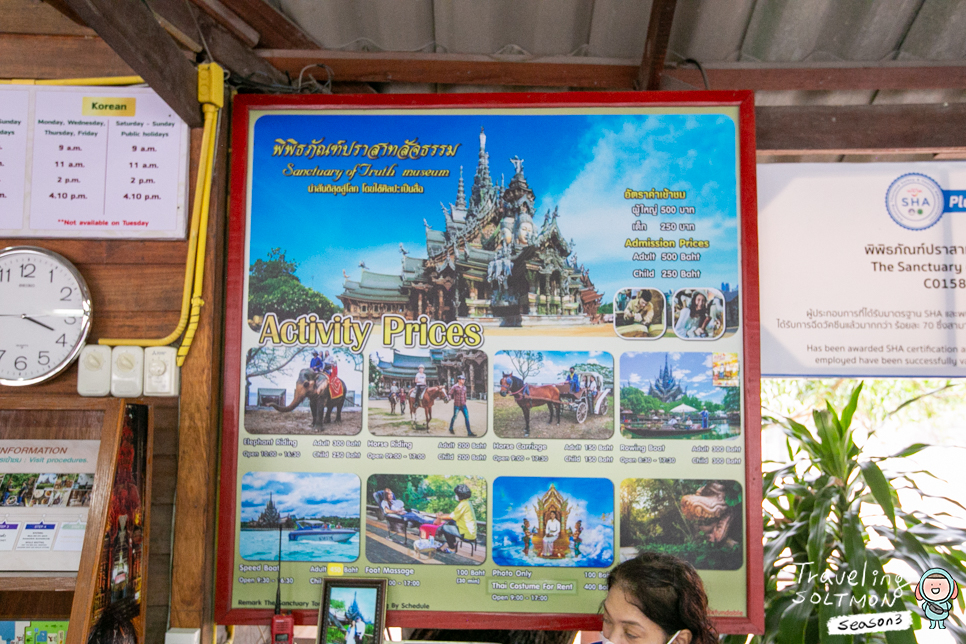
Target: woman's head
(699, 302)
(653, 596)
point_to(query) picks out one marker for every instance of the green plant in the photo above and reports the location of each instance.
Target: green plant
(818, 507)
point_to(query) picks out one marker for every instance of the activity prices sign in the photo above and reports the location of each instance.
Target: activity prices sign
(487, 353)
(863, 269)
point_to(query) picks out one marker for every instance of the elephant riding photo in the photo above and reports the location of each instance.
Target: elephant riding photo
(316, 387)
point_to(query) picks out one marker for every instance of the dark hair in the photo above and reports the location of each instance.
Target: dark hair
(645, 295)
(462, 491)
(694, 304)
(668, 591)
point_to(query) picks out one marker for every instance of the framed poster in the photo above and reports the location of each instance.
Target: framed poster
(487, 346)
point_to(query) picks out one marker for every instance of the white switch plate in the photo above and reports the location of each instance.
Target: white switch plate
(161, 372)
(127, 372)
(182, 636)
(94, 371)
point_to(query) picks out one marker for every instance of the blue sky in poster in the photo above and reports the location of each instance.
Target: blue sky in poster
(365, 599)
(553, 363)
(579, 163)
(300, 494)
(692, 370)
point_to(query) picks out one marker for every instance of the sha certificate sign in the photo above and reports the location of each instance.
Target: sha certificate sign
(488, 347)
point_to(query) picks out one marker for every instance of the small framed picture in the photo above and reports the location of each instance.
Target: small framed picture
(353, 611)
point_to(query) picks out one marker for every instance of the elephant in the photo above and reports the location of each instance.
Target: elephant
(315, 386)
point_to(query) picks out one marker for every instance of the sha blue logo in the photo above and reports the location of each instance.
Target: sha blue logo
(915, 201)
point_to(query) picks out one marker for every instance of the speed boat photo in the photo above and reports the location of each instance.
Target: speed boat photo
(318, 531)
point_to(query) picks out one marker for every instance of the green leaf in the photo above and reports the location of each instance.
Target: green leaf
(839, 606)
(791, 628)
(881, 489)
(855, 552)
(850, 408)
(817, 533)
(915, 448)
(907, 636)
(832, 452)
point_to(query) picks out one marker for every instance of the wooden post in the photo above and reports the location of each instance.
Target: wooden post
(655, 46)
(193, 554)
(130, 29)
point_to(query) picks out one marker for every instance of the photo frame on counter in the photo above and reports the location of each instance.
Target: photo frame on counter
(353, 611)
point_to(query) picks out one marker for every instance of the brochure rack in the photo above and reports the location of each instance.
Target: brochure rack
(74, 594)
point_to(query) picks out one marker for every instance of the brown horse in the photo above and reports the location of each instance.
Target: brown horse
(528, 397)
(430, 395)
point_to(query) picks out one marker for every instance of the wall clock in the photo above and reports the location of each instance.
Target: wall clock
(45, 314)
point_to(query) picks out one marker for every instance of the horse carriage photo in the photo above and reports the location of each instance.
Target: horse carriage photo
(591, 399)
(578, 383)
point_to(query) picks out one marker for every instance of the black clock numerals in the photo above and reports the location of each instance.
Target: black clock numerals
(4, 275)
(28, 271)
(66, 296)
(43, 358)
(62, 340)
(70, 321)
(20, 363)
(2, 352)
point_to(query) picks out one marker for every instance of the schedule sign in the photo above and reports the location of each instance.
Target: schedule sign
(488, 349)
(91, 162)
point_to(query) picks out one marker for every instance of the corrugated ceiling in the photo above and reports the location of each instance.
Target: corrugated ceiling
(710, 31)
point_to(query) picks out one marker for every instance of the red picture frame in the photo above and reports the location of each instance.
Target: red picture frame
(243, 105)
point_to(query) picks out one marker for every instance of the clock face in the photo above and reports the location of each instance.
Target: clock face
(45, 314)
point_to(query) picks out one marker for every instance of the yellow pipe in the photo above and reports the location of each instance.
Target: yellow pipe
(104, 80)
(201, 183)
(211, 112)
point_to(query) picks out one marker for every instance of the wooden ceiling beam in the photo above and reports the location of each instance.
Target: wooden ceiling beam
(861, 129)
(49, 57)
(606, 73)
(458, 69)
(133, 33)
(227, 50)
(230, 21)
(277, 31)
(655, 45)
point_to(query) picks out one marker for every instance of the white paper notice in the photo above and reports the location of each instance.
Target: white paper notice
(8, 535)
(71, 537)
(91, 162)
(862, 269)
(37, 536)
(70, 162)
(14, 116)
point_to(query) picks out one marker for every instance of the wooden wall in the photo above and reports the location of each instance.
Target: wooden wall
(136, 287)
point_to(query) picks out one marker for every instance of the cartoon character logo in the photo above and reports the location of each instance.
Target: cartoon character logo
(936, 592)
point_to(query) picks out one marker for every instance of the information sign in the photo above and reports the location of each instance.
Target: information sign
(487, 347)
(90, 162)
(45, 495)
(863, 269)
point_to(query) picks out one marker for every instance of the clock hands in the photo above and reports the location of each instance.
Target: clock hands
(27, 317)
(67, 313)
